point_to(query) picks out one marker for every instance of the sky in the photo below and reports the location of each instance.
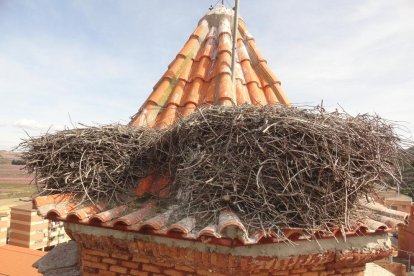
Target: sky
(95, 61)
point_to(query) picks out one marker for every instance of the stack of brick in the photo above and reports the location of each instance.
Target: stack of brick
(56, 233)
(4, 225)
(27, 228)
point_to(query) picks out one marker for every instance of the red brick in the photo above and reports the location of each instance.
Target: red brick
(223, 260)
(280, 273)
(326, 273)
(106, 273)
(140, 260)
(120, 256)
(163, 250)
(213, 259)
(90, 270)
(198, 260)
(345, 270)
(118, 269)
(244, 264)
(268, 264)
(153, 248)
(130, 264)
(205, 257)
(184, 268)
(298, 271)
(95, 252)
(172, 272)
(204, 272)
(140, 245)
(359, 268)
(151, 268)
(310, 274)
(110, 261)
(89, 273)
(284, 264)
(138, 273)
(218, 274)
(91, 258)
(101, 266)
(163, 263)
(210, 272)
(318, 268)
(233, 261)
(189, 257)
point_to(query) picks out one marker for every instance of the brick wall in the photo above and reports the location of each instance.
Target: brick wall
(406, 238)
(403, 206)
(96, 262)
(110, 256)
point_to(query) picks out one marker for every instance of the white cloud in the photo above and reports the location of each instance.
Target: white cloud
(362, 59)
(28, 124)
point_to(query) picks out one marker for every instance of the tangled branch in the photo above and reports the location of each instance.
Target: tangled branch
(275, 166)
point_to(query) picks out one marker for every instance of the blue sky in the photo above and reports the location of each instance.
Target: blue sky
(64, 62)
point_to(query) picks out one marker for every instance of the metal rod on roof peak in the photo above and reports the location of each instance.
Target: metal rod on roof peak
(233, 52)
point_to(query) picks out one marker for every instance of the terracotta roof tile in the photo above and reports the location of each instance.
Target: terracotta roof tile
(84, 213)
(107, 215)
(155, 223)
(186, 225)
(134, 217)
(228, 231)
(17, 261)
(201, 74)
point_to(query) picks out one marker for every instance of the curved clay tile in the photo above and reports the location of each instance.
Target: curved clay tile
(52, 199)
(201, 74)
(156, 223)
(231, 226)
(108, 215)
(59, 212)
(375, 226)
(361, 229)
(261, 237)
(63, 207)
(184, 226)
(390, 222)
(209, 231)
(381, 209)
(133, 217)
(293, 233)
(84, 213)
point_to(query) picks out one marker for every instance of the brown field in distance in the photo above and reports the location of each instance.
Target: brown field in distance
(14, 182)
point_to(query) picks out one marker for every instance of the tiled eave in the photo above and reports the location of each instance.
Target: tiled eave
(374, 245)
(229, 230)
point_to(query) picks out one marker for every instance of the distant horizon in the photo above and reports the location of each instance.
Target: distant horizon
(96, 62)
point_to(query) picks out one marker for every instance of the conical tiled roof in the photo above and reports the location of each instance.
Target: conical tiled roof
(201, 74)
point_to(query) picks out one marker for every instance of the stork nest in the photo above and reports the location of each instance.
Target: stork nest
(275, 166)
